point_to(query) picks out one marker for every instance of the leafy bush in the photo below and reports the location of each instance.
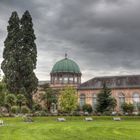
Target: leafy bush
(25, 110)
(10, 99)
(40, 113)
(37, 107)
(78, 108)
(43, 113)
(127, 108)
(87, 108)
(107, 113)
(15, 109)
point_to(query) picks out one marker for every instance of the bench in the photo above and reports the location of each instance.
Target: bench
(1, 122)
(117, 119)
(88, 119)
(61, 119)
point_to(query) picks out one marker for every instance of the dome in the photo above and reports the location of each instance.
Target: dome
(65, 65)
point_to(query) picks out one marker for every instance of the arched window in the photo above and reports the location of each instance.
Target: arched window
(121, 100)
(94, 101)
(136, 100)
(82, 100)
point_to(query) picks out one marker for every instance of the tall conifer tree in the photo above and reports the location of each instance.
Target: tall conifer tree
(105, 101)
(28, 56)
(10, 54)
(20, 56)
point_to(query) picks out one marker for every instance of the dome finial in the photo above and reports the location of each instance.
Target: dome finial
(66, 55)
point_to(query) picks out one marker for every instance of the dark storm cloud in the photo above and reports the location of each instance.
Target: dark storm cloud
(102, 36)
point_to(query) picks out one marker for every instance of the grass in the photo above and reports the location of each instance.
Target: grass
(47, 128)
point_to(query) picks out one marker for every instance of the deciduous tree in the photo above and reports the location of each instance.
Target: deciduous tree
(68, 99)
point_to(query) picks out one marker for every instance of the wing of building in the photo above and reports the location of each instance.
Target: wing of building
(123, 88)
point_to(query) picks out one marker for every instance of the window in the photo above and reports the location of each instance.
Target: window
(55, 79)
(60, 79)
(121, 100)
(136, 100)
(82, 100)
(94, 101)
(65, 80)
(70, 80)
(75, 80)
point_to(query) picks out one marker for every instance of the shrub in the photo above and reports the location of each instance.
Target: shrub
(10, 99)
(127, 108)
(87, 108)
(78, 108)
(43, 113)
(15, 109)
(37, 107)
(76, 113)
(40, 113)
(107, 113)
(25, 110)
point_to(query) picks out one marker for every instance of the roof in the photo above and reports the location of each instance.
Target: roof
(66, 65)
(128, 81)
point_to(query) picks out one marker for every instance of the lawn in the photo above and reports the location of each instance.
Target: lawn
(47, 128)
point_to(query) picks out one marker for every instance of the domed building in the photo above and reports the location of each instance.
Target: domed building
(65, 72)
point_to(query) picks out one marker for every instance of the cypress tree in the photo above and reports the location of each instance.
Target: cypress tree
(28, 56)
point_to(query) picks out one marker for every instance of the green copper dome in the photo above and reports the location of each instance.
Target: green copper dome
(66, 65)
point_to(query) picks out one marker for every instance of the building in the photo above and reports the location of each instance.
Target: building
(65, 72)
(123, 88)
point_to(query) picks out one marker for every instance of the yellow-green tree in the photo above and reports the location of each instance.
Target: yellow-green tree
(68, 99)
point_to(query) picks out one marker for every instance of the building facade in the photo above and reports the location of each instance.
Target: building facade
(123, 88)
(66, 72)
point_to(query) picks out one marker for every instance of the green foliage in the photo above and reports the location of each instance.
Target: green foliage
(87, 108)
(49, 97)
(37, 107)
(10, 99)
(28, 56)
(15, 109)
(21, 100)
(40, 113)
(68, 99)
(127, 108)
(20, 56)
(25, 110)
(105, 102)
(138, 105)
(78, 108)
(10, 62)
(27, 119)
(3, 91)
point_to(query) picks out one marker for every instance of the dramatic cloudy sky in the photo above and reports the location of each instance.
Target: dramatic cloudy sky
(102, 36)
